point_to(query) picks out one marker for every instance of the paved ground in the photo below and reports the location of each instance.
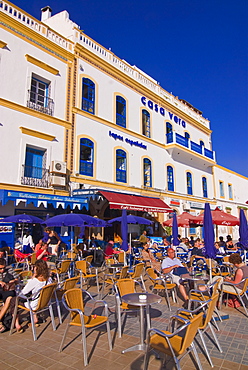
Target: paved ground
(19, 351)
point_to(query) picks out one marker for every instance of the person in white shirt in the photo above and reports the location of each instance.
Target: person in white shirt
(168, 265)
(27, 243)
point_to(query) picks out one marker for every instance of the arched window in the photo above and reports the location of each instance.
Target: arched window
(169, 133)
(146, 123)
(187, 135)
(189, 183)
(204, 187)
(86, 157)
(88, 95)
(120, 111)
(202, 143)
(147, 172)
(121, 166)
(170, 178)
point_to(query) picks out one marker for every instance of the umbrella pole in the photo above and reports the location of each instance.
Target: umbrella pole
(71, 240)
(216, 232)
(210, 270)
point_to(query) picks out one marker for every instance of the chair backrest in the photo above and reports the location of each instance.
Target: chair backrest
(138, 269)
(45, 296)
(151, 273)
(70, 283)
(124, 272)
(64, 266)
(121, 257)
(226, 258)
(215, 286)
(110, 261)
(190, 332)
(33, 258)
(82, 265)
(210, 311)
(89, 259)
(245, 286)
(125, 286)
(26, 273)
(71, 255)
(74, 299)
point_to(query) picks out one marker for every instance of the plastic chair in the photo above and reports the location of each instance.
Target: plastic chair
(160, 284)
(83, 268)
(122, 287)
(44, 303)
(58, 293)
(235, 292)
(175, 344)
(73, 302)
(206, 322)
(137, 274)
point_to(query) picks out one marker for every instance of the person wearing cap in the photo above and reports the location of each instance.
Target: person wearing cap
(109, 250)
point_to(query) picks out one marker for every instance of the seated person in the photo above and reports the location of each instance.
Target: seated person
(219, 248)
(109, 250)
(8, 279)
(149, 258)
(38, 245)
(231, 246)
(168, 265)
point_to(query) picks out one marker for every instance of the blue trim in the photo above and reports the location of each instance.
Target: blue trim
(121, 166)
(86, 157)
(189, 183)
(88, 95)
(170, 178)
(120, 111)
(147, 172)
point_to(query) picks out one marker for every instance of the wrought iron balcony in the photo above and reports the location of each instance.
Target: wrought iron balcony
(40, 103)
(35, 176)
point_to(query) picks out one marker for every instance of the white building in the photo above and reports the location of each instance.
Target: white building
(66, 99)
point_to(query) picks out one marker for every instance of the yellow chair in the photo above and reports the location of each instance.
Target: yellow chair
(25, 274)
(122, 257)
(138, 273)
(89, 259)
(63, 270)
(122, 287)
(44, 303)
(175, 344)
(235, 292)
(64, 286)
(83, 269)
(73, 302)
(71, 255)
(160, 284)
(206, 322)
(112, 278)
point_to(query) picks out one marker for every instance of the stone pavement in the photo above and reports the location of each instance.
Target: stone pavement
(19, 351)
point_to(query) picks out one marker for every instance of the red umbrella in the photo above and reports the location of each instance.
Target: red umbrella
(183, 220)
(219, 218)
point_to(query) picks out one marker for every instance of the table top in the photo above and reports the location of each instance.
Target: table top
(195, 277)
(115, 265)
(141, 299)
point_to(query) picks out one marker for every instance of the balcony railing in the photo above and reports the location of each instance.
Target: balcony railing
(208, 153)
(196, 147)
(169, 137)
(35, 176)
(40, 103)
(182, 140)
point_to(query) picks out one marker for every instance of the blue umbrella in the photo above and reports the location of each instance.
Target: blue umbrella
(243, 229)
(74, 219)
(210, 250)
(131, 219)
(175, 240)
(124, 230)
(23, 219)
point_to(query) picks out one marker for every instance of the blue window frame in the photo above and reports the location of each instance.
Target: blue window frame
(204, 187)
(86, 157)
(202, 143)
(169, 133)
(189, 183)
(170, 178)
(147, 167)
(88, 95)
(121, 166)
(146, 129)
(120, 111)
(34, 163)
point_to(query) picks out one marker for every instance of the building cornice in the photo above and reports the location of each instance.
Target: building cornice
(32, 189)
(41, 64)
(40, 135)
(230, 171)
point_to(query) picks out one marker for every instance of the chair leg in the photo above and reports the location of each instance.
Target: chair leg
(84, 346)
(167, 298)
(58, 310)
(52, 317)
(243, 304)
(63, 339)
(205, 348)
(33, 325)
(215, 337)
(196, 356)
(142, 282)
(146, 359)
(14, 317)
(109, 335)
(119, 321)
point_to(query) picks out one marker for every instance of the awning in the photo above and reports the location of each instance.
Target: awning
(135, 202)
(39, 199)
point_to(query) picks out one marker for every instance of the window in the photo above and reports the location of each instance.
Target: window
(187, 135)
(170, 178)
(38, 96)
(147, 172)
(35, 163)
(121, 166)
(221, 189)
(120, 111)
(201, 143)
(86, 157)
(169, 133)
(189, 183)
(88, 95)
(145, 123)
(230, 192)
(204, 187)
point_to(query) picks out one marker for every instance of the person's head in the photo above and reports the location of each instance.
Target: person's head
(221, 238)
(144, 232)
(216, 244)
(44, 246)
(197, 243)
(40, 242)
(171, 253)
(2, 265)
(41, 269)
(2, 253)
(228, 237)
(145, 246)
(191, 238)
(48, 230)
(235, 259)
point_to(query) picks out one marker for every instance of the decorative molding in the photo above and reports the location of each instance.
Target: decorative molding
(2, 44)
(38, 134)
(41, 64)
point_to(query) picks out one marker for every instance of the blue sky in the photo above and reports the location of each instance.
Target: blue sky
(196, 49)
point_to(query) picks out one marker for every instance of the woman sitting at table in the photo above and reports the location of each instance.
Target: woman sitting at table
(230, 246)
(149, 258)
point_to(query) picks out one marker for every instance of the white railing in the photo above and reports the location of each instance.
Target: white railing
(35, 25)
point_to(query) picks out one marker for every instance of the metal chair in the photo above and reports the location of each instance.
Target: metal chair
(235, 292)
(62, 271)
(44, 303)
(110, 279)
(74, 303)
(138, 274)
(83, 269)
(61, 289)
(176, 344)
(160, 284)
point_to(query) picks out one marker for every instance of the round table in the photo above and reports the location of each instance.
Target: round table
(137, 299)
(195, 278)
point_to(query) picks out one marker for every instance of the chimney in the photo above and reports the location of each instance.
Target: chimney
(46, 13)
